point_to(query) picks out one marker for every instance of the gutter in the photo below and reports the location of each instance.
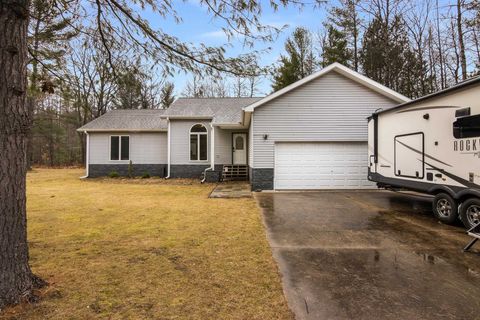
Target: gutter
(169, 136)
(212, 153)
(187, 117)
(121, 130)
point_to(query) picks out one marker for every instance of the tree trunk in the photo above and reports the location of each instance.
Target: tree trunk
(440, 53)
(461, 43)
(16, 278)
(355, 35)
(30, 106)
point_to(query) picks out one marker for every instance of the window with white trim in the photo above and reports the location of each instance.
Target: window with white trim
(198, 143)
(119, 148)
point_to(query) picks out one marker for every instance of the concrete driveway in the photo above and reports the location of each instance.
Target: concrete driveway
(370, 255)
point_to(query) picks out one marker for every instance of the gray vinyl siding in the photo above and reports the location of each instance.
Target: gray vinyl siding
(145, 148)
(180, 141)
(330, 108)
(223, 145)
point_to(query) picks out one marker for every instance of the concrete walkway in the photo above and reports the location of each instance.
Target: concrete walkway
(232, 189)
(370, 255)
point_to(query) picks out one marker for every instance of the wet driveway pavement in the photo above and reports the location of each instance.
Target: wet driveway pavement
(370, 255)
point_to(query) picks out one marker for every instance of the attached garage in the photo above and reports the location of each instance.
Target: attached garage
(321, 165)
(312, 134)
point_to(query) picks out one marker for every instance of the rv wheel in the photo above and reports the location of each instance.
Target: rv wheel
(470, 212)
(445, 208)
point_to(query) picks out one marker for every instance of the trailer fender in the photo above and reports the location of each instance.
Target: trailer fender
(441, 188)
(467, 193)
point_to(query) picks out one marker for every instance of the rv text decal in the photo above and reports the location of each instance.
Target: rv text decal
(467, 145)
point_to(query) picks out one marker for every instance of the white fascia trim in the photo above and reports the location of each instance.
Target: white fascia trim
(349, 73)
(218, 124)
(187, 117)
(87, 156)
(250, 140)
(212, 147)
(121, 130)
(228, 126)
(169, 137)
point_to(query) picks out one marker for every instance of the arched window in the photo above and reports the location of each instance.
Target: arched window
(198, 143)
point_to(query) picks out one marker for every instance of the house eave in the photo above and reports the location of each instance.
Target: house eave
(239, 126)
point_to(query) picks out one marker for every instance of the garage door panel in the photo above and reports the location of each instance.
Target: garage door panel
(325, 165)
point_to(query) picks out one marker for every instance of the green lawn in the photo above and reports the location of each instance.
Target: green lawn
(143, 249)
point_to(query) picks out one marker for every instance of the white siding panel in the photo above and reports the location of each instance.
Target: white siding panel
(180, 141)
(145, 148)
(323, 165)
(330, 108)
(250, 144)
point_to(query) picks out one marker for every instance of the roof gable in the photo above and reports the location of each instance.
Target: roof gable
(341, 69)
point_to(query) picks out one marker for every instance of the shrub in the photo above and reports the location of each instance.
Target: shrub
(113, 174)
(145, 175)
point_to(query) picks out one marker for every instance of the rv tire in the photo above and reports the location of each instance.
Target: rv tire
(470, 212)
(445, 208)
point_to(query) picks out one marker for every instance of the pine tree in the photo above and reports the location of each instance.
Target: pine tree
(386, 54)
(50, 30)
(299, 61)
(129, 88)
(347, 20)
(335, 48)
(166, 96)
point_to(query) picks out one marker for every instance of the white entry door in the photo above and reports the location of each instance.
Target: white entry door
(321, 165)
(239, 148)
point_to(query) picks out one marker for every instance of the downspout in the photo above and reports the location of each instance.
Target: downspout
(169, 135)
(212, 153)
(87, 156)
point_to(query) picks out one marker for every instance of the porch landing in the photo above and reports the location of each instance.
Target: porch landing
(232, 189)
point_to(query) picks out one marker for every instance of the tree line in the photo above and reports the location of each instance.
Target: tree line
(413, 47)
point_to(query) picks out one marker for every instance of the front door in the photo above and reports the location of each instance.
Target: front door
(239, 148)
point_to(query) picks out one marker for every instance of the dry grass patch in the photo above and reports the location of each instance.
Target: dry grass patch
(146, 249)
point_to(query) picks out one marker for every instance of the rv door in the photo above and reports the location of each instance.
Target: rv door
(409, 160)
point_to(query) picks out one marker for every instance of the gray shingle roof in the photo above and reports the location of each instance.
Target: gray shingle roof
(221, 110)
(128, 120)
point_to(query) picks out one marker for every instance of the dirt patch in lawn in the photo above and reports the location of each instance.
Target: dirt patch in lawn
(146, 249)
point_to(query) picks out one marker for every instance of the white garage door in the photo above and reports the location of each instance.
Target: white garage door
(322, 165)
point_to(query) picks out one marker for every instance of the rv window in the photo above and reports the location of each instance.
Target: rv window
(467, 127)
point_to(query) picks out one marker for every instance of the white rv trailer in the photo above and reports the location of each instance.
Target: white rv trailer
(432, 145)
